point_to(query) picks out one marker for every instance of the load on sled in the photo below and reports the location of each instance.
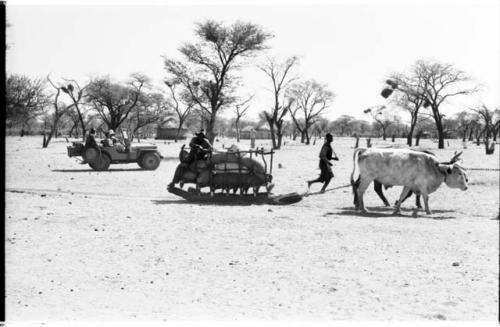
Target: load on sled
(232, 176)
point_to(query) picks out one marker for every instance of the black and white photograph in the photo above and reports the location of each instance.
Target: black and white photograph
(252, 161)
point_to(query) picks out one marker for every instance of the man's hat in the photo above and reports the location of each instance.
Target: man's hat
(111, 132)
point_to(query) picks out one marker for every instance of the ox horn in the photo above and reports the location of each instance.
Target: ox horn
(455, 157)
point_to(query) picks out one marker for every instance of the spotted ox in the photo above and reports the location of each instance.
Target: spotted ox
(416, 171)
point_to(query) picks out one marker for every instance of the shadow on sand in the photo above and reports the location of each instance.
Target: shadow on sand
(387, 212)
(91, 170)
(170, 159)
(181, 201)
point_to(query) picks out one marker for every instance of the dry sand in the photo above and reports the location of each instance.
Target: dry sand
(85, 245)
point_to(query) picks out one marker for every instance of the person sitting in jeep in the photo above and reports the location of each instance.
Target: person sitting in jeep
(91, 142)
(112, 141)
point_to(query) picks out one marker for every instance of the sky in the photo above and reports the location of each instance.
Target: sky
(351, 46)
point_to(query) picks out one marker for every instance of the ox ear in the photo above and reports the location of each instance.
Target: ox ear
(445, 169)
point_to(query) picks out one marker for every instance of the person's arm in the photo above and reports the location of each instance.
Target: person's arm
(322, 156)
(209, 146)
(335, 157)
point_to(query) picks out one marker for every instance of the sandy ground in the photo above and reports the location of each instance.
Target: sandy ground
(85, 245)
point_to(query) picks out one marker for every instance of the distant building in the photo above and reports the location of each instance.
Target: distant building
(261, 133)
(167, 131)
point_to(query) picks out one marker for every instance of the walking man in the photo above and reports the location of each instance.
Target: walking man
(325, 155)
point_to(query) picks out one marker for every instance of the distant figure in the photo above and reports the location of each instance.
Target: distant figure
(252, 138)
(325, 155)
(91, 142)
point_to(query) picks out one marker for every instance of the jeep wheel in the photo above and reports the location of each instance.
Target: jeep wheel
(91, 155)
(149, 161)
(102, 163)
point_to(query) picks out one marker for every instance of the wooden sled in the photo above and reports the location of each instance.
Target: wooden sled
(246, 199)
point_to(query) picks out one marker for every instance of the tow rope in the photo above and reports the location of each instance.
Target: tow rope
(307, 193)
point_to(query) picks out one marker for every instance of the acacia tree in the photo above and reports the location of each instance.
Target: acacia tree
(151, 108)
(210, 64)
(381, 117)
(310, 100)
(240, 110)
(279, 73)
(409, 98)
(77, 95)
(343, 125)
(181, 103)
(465, 122)
(25, 100)
(439, 82)
(490, 120)
(113, 101)
(56, 115)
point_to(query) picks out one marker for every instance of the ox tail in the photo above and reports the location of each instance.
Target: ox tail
(355, 175)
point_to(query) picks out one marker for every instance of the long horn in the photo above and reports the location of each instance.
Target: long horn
(455, 157)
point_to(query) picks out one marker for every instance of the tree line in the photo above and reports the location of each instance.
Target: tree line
(206, 82)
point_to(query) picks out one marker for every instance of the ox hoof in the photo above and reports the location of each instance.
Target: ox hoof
(396, 212)
(363, 210)
(428, 212)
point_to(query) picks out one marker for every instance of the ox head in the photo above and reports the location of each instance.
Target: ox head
(455, 176)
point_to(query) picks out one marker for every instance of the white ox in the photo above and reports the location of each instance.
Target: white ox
(417, 171)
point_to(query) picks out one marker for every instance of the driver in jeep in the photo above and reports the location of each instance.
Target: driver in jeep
(112, 141)
(200, 148)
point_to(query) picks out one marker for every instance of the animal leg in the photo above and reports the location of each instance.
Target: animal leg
(426, 204)
(406, 197)
(355, 185)
(403, 196)
(378, 189)
(417, 201)
(363, 185)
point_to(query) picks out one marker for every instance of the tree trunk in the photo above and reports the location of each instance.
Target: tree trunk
(417, 140)
(279, 134)
(440, 135)
(302, 137)
(210, 128)
(179, 128)
(490, 148)
(409, 137)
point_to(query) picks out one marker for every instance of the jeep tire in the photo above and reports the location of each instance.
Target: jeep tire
(102, 163)
(91, 155)
(149, 161)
